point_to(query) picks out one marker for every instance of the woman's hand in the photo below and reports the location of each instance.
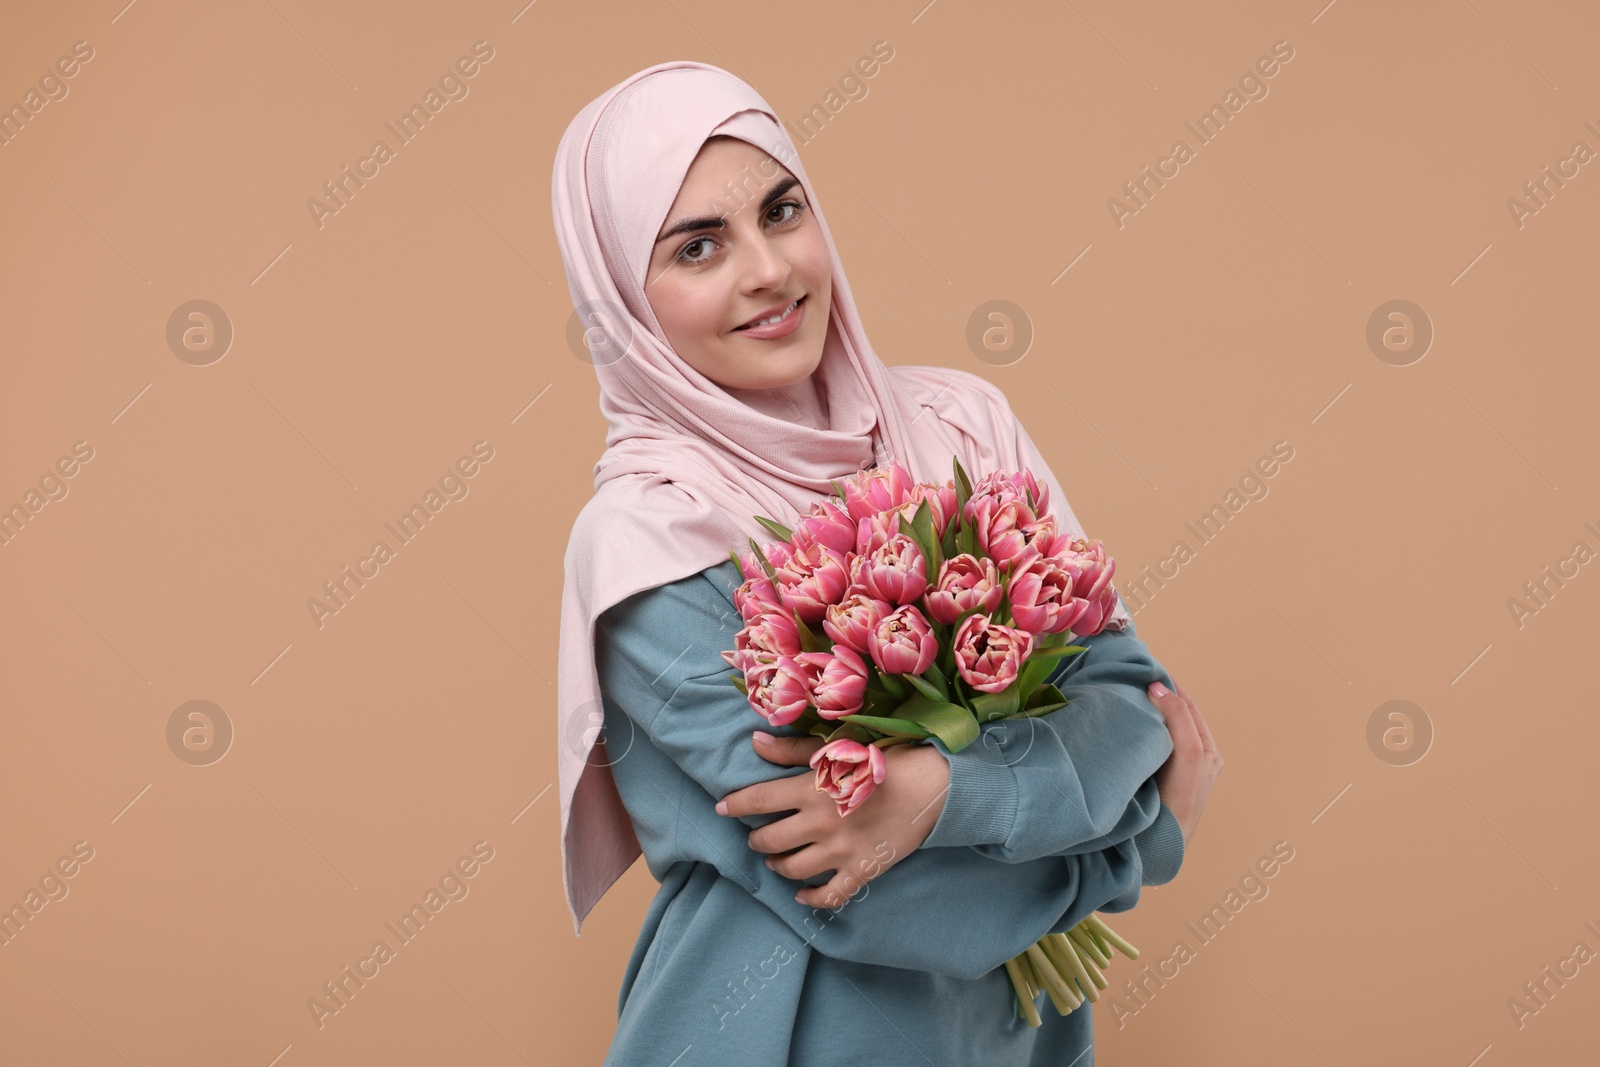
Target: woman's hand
(887, 827)
(1185, 780)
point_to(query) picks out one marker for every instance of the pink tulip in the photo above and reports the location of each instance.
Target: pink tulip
(999, 520)
(895, 571)
(876, 490)
(830, 525)
(873, 530)
(777, 553)
(848, 771)
(763, 640)
(1016, 484)
(1039, 538)
(780, 691)
(811, 579)
(749, 566)
(853, 618)
(1040, 593)
(843, 683)
(756, 597)
(941, 503)
(1092, 570)
(990, 655)
(904, 643)
(964, 581)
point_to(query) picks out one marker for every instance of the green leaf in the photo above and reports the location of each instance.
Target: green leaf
(963, 483)
(809, 641)
(925, 687)
(762, 556)
(837, 488)
(1001, 705)
(923, 521)
(892, 727)
(738, 683)
(1045, 699)
(1040, 663)
(967, 541)
(960, 692)
(950, 723)
(1036, 670)
(920, 530)
(1045, 694)
(936, 676)
(1055, 652)
(893, 684)
(877, 702)
(848, 731)
(733, 555)
(784, 533)
(953, 541)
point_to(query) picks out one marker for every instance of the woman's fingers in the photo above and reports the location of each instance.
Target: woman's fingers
(802, 863)
(789, 751)
(1175, 709)
(836, 891)
(1199, 720)
(832, 894)
(802, 828)
(788, 793)
(777, 794)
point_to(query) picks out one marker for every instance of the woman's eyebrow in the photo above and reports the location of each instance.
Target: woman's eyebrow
(716, 222)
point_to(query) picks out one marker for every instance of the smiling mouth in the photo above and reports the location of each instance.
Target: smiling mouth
(771, 319)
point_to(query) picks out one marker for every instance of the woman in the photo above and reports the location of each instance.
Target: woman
(737, 380)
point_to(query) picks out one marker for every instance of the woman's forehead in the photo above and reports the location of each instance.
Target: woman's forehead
(724, 176)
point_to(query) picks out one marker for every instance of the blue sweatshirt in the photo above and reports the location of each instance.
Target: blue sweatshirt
(1046, 820)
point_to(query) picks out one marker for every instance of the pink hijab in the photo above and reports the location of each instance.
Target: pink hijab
(687, 465)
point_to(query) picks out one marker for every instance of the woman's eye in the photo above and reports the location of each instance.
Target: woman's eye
(783, 204)
(688, 253)
(685, 253)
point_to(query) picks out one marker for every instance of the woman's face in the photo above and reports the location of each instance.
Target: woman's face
(739, 245)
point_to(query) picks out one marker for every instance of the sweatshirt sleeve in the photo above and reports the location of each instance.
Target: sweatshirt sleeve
(1074, 780)
(661, 674)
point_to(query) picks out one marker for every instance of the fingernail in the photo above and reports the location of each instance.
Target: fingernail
(762, 737)
(1158, 690)
(722, 807)
(768, 862)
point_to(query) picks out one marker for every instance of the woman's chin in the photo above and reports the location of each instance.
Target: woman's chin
(776, 369)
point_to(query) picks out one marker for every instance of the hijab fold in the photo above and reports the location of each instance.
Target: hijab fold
(688, 465)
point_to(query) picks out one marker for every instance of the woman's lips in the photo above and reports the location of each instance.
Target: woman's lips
(781, 328)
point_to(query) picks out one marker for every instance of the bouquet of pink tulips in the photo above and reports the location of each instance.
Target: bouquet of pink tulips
(905, 611)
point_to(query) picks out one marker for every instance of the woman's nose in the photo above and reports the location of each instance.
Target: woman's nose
(765, 266)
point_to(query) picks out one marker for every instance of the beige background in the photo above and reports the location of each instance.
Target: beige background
(1229, 313)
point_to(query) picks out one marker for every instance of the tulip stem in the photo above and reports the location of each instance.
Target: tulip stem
(1029, 979)
(1050, 979)
(1067, 962)
(1086, 943)
(1025, 1005)
(1098, 925)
